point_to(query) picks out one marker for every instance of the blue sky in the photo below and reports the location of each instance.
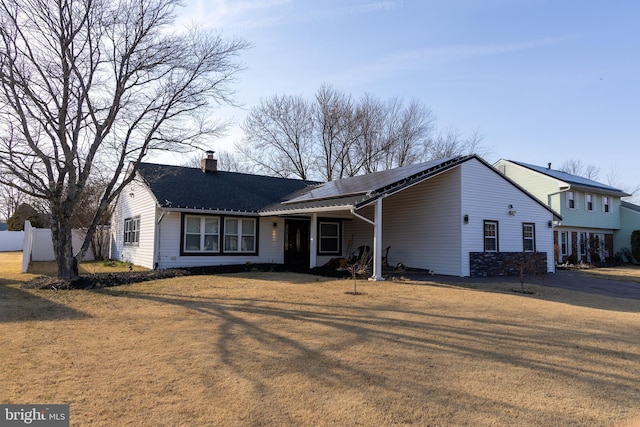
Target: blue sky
(543, 81)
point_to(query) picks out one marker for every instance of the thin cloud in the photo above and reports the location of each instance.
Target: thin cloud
(270, 13)
(224, 13)
(416, 59)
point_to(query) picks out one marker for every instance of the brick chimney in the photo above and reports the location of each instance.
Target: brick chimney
(209, 164)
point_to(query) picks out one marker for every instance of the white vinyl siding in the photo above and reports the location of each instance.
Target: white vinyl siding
(486, 196)
(421, 225)
(135, 201)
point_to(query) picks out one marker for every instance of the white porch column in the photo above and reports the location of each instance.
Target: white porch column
(313, 238)
(377, 242)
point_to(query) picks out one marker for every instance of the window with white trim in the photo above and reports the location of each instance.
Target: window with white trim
(529, 237)
(201, 234)
(239, 235)
(588, 202)
(491, 236)
(571, 199)
(564, 243)
(606, 206)
(583, 244)
(329, 237)
(132, 231)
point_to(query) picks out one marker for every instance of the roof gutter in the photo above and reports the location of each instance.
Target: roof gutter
(306, 210)
(365, 219)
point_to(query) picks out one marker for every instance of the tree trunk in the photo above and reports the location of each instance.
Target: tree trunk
(62, 247)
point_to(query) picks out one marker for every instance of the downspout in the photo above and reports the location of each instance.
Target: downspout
(377, 243)
(557, 192)
(313, 247)
(158, 228)
(365, 219)
(377, 239)
(553, 224)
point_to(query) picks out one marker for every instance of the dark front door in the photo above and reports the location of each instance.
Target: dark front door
(296, 243)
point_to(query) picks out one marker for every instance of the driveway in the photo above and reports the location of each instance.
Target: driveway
(584, 282)
(565, 279)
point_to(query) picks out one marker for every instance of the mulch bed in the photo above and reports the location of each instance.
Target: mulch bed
(104, 280)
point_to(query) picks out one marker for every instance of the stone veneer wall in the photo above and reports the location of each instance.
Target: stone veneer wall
(489, 264)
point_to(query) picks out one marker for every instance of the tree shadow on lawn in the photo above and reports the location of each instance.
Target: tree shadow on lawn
(266, 332)
(17, 305)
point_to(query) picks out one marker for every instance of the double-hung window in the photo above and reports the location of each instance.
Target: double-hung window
(201, 234)
(564, 243)
(588, 202)
(239, 235)
(529, 237)
(132, 231)
(491, 236)
(571, 199)
(606, 207)
(329, 237)
(583, 244)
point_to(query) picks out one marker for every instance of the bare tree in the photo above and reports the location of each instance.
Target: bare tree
(371, 144)
(10, 199)
(451, 143)
(578, 168)
(91, 85)
(83, 215)
(337, 131)
(408, 134)
(227, 161)
(337, 137)
(278, 137)
(613, 179)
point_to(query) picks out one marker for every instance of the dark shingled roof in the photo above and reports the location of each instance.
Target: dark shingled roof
(572, 179)
(189, 188)
(630, 206)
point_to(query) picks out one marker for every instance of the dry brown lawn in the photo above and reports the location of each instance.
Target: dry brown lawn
(286, 349)
(629, 273)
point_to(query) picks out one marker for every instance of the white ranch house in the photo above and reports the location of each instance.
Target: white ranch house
(457, 216)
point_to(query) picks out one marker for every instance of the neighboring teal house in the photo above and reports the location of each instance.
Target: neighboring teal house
(629, 222)
(591, 228)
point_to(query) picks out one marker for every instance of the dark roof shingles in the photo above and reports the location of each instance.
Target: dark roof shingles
(190, 188)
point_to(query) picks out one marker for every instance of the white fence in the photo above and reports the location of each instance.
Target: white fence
(38, 246)
(11, 241)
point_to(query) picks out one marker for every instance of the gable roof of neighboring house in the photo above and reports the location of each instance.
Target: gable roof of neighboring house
(573, 181)
(185, 188)
(630, 206)
(359, 191)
